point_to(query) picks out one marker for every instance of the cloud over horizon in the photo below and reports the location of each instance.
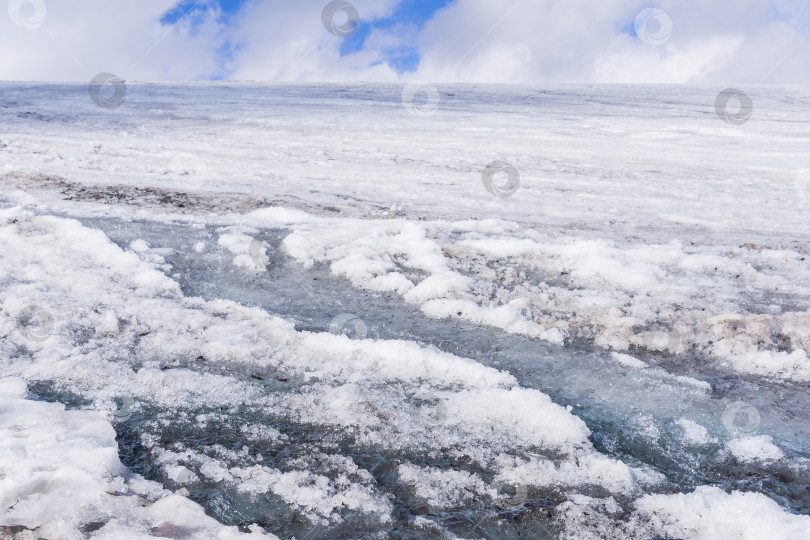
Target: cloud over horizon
(441, 41)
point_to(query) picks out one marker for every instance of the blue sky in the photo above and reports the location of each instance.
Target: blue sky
(403, 59)
(409, 12)
(475, 41)
(188, 7)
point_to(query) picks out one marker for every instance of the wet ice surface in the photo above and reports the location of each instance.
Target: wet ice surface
(639, 413)
(634, 415)
(660, 252)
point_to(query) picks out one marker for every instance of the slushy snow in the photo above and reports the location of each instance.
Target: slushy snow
(641, 309)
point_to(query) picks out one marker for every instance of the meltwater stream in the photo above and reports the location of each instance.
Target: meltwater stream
(631, 413)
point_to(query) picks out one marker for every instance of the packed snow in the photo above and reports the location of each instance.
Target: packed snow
(61, 478)
(296, 312)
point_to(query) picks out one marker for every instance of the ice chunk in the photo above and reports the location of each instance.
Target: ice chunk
(749, 449)
(709, 512)
(694, 433)
(443, 489)
(60, 473)
(628, 361)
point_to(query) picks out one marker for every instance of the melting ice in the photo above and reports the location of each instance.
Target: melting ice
(241, 357)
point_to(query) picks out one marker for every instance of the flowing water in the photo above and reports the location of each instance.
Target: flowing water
(630, 413)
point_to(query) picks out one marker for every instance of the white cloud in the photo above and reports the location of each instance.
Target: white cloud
(547, 41)
(514, 41)
(80, 38)
(287, 41)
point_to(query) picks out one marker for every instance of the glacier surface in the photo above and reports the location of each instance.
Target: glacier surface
(249, 310)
